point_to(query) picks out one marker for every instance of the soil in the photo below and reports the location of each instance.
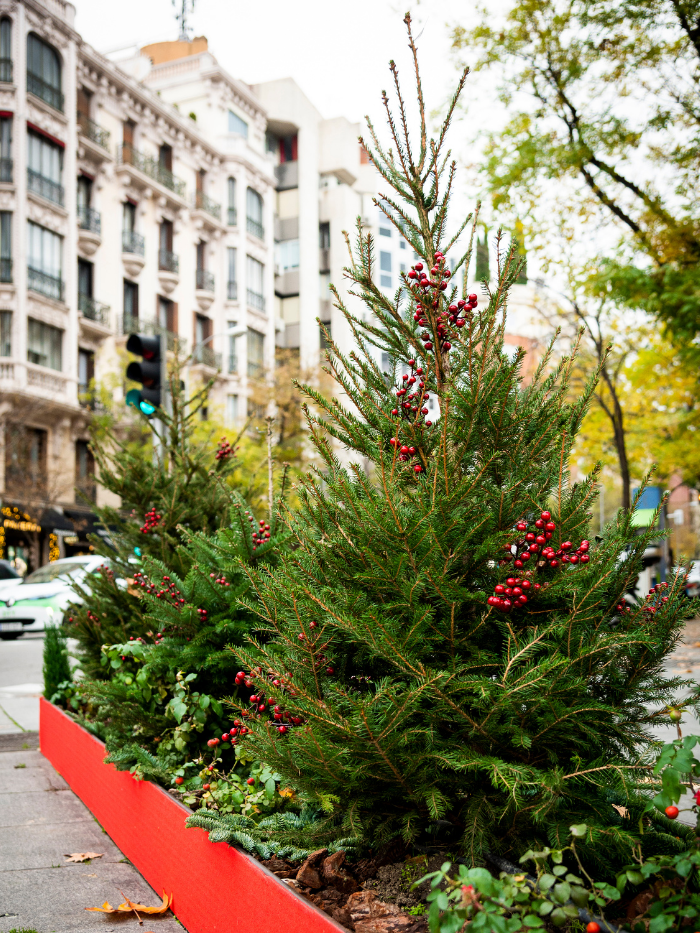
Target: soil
(371, 896)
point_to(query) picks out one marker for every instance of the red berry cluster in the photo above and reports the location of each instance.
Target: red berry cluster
(168, 589)
(151, 520)
(413, 405)
(261, 534)
(654, 601)
(220, 580)
(533, 545)
(263, 702)
(224, 450)
(427, 293)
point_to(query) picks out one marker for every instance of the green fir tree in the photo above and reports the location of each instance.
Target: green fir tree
(450, 658)
(56, 664)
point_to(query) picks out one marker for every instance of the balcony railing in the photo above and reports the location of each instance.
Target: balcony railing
(232, 217)
(205, 280)
(93, 310)
(47, 92)
(151, 167)
(256, 300)
(5, 270)
(93, 131)
(207, 357)
(6, 70)
(168, 262)
(256, 228)
(133, 242)
(45, 187)
(89, 219)
(203, 203)
(6, 170)
(232, 291)
(50, 286)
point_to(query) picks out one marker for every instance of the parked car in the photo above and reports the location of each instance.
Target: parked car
(9, 577)
(43, 596)
(692, 586)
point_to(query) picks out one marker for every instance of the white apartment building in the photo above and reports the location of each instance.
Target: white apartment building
(117, 213)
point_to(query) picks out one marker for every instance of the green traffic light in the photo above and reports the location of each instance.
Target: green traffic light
(147, 408)
(133, 397)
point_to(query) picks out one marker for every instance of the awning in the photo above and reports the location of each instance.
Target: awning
(84, 523)
(51, 520)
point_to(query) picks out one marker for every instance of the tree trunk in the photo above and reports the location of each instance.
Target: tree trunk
(618, 424)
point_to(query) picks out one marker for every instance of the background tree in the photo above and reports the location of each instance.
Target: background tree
(604, 112)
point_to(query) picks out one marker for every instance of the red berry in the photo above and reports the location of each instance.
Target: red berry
(499, 588)
(225, 737)
(251, 780)
(546, 516)
(550, 526)
(521, 526)
(179, 780)
(418, 267)
(671, 812)
(418, 468)
(206, 786)
(394, 441)
(592, 927)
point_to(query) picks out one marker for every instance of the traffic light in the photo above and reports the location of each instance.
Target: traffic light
(148, 373)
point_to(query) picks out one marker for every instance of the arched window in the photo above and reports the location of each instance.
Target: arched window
(254, 210)
(232, 213)
(44, 71)
(5, 49)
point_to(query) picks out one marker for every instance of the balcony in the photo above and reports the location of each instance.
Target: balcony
(45, 91)
(232, 291)
(127, 155)
(50, 286)
(205, 204)
(93, 310)
(5, 270)
(256, 228)
(205, 280)
(168, 270)
(205, 356)
(89, 219)
(255, 300)
(6, 70)
(93, 131)
(6, 171)
(45, 187)
(133, 248)
(232, 219)
(287, 174)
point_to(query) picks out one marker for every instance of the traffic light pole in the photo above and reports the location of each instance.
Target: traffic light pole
(159, 424)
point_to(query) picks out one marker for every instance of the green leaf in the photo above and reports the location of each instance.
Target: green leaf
(270, 788)
(684, 867)
(216, 706)
(558, 917)
(562, 891)
(578, 830)
(204, 701)
(179, 709)
(636, 877)
(559, 870)
(532, 921)
(546, 882)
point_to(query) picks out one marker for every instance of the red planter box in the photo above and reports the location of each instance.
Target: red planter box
(216, 888)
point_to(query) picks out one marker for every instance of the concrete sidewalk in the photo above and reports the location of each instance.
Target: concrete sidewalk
(41, 820)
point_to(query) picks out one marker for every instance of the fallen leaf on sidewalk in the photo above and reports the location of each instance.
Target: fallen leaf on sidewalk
(130, 907)
(82, 856)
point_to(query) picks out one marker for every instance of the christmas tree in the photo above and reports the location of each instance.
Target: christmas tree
(56, 663)
(182, 482)
(448, 657)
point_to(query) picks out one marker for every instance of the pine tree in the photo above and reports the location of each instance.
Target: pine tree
(56, 664)
(186, 486)
(449, 656)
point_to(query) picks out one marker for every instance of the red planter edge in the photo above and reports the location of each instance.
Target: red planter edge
(216, 888)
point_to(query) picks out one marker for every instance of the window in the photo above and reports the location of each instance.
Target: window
(324, 236)
(202, 328)
(232, 351)
(237, 125)
(86, 370)
(44, 344)
(255, 270)
(232, 212)
(231, 409)
(86, 487)
(167, 260)
(6, 165)
(402, 267)
(201, 255)
(402, 244)
(324, 284)
(288, 148)
(5, 246)
(254, 209)
(167, 314)
(84, 192)
(131, 304)
(5, 333)
(256, 353)
(44, 167)
(385, 266)
(232, 256)
(25, 457)
(45, 250)
(44, 71)
(165, 157)
(85, 276)
(287, 255)
(128, 217)
(5, 49)
(385, 231)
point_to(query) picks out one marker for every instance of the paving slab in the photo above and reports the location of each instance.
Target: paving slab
(41, 822)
